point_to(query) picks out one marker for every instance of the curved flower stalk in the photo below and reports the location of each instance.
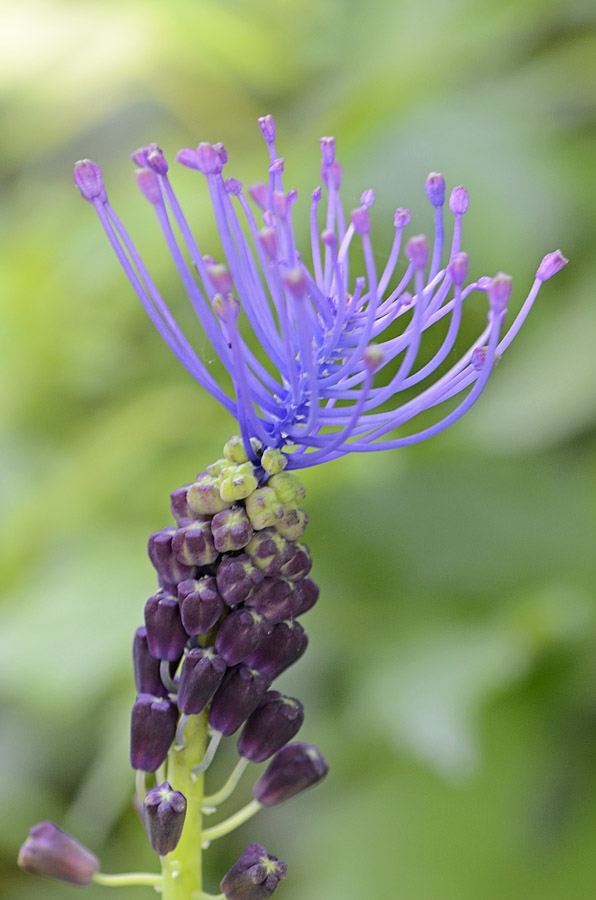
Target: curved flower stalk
(344, 350)
(321, 364)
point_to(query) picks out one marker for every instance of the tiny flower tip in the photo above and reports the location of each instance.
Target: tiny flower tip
(280, 204)
(156, 161)
(259, 193)
(368, 198)
(292, 195)
(459, 200)
(484, 283)
(209, 161)
(417, 251)
(332, 175)
(327, 150)
(550, 265)
(233, 186)
(221, 152)
(148, 184)
(401, 217)
(268, 240)
(267, 126)
(361, 220)
(88, 178)
(139, 157)
(187, 157)
(295, 280)
(373, 358)
(221, 278)
(328, 237)
(499, 291)
(316, 194)
(269, 218)
(458, 268)
(435, 189)
(277, 166)
(225, 308)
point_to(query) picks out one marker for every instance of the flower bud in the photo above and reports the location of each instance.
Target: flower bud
(193, 543)
(203, 496)
(234, 450)
(459, 200)
(239, 634)
(273, 461)
(166, 636)
(201, 675)
(269, 550)
(307, 594)
(231, 529)
(238, 695)
(152, 731)
(417, 251)
(161, 554)
(237, 577)
(275, 600)
(209, 161)
(254, 876)
(263, 508)
(292, 524)
(499, 292)
(293, 769)
(237, 482)
(550, 265)
(275, 721)
(279, 650)
(267, 126)
(179, 506)
(164, 811)
(435, 189)
(87, 177)
(201, 604)
(146, 667)
(298, 565)
(52, 852)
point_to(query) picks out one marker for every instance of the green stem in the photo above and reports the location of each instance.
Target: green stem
(182, 877)
(131, 878)
(229, 786)
(239, 818)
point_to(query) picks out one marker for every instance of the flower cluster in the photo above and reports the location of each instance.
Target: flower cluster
(329, 355)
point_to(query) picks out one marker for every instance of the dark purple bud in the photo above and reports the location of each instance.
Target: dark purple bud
(298, 565)
(169, 568)
(87, 177)
(237, 577)
(146, 667)
(152, 731)
(51, 852)
(238, 695)
(201, 604)
(231, 529)
(307, 592)
(193, 543)
(279, 650)
(239, 634)
(166, 636)
(254, 876)
(178, 504)
(201, 675)
(164, 811)
(275, 600)
(275, 721)
(269, 550)
(293, 769)
(435, 189)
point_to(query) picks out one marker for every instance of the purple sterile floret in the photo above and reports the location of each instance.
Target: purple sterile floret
(238, 695)
(201, 675)
(275, 721)
(152, 730)
(293, 769)
(146, 666)
(52, 852)
(164, 811)
(318, 397)
(279, 650)
(201, 604)
(165, 632)
(239, 634)
(254, 876)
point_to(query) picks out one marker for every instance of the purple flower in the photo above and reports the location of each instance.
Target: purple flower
(52, 852)
(254, 876)
(340, 358)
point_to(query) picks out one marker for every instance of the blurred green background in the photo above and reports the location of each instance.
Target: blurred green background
(451, 675)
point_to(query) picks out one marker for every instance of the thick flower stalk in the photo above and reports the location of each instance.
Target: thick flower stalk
(318, 364)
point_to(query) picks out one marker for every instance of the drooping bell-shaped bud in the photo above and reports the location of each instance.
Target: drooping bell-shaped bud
(239, 634)
(279, 650)
(51, 852)
(166, 636)
(231, 529)
(254, 876)
(263, 508)
(237, 577)
(152, 731)
(269, 550)
(307, 593)
(169, 568)
(201, 675)
(164, 811)
(237, 697)
(146, 667)
(201, 604)
(203, 496)
(293, 769)
(193, 543)
(275, 721)
(275, 600)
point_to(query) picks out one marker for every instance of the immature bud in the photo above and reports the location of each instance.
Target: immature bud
(166, 636)
(275, 600)
(87, 177)
(254, 876)
(237, 482)
(146, 667)
(193, 543)
(293, 769)
(201, 675)
(275, 721)
(239, 634)
(287, 487)
(237, 577)
(298, 565)
(231, 529)
(179, 506)
(238, 695)
(435, 189)
(292, 524)
(234, 450)
(279, 650)
(52, 852)
(152, 731)
(164, 811)
(269, 551)
(161, 554)
(263, 508)
(307, 593)
(203, 496)
(201, 604)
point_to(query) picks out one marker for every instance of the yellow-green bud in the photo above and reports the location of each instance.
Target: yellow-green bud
(273, 461)
(204, 498)
(237, 482)
(292, 523)
(287, 487)
(234, 450)
(218, 466)
(263, 508)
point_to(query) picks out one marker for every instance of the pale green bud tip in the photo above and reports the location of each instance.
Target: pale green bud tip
(287, 487)
(234, 450)
(237, 482)
(273, 461)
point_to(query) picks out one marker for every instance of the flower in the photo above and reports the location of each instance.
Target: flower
(343, 349)
(52, 852)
